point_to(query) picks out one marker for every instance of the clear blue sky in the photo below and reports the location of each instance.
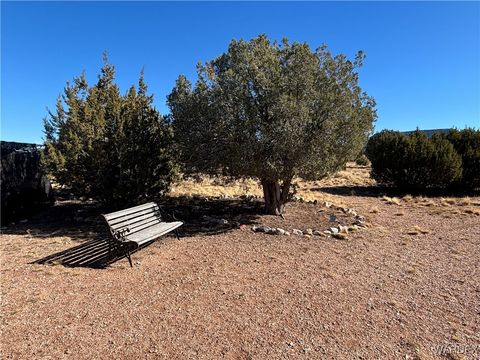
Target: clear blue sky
(422, 65)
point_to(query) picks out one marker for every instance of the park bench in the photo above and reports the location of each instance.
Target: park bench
(136, 226)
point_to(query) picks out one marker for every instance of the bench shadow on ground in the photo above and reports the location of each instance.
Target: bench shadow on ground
(82, 222)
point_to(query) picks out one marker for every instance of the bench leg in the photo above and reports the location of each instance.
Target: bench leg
(129, 258)
(176, 233)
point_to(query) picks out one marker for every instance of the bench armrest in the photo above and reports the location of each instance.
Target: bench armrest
(120, 234)
(167, 216)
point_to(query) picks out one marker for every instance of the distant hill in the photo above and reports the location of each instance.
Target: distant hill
(429, 133)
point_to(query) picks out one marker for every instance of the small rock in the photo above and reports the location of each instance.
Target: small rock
(340, 236)
(360, 223)
(261, 228)
(327, 204)
(328, 232)
(309, 231)
(317, 233)
(333, 218)
(287, 233)
(343, 229)
(297, 232)
(279, 231)
(264, 229)
(334, 230)
(353, 227)
(271, 231)
(360, 218)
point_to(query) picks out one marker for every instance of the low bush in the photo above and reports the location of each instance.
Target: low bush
(413, 162)
(362, 160)
(467, 144)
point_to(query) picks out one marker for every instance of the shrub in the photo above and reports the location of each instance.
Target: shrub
(467, 144)
(113, 148)
(362, 160)
(414, 161)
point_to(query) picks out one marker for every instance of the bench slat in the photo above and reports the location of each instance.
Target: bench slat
(153, 211)
(153, 232)
(132, 210)
(144, 226)
(131, 222)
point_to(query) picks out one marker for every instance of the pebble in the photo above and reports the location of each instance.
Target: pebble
(309, 231)
(340, 236)
(333, 230)
(279, 231)
(297, 232)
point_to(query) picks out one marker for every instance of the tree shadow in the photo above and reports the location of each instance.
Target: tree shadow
(210, 216)
(376, 191)
(82, 222)
(79, 220)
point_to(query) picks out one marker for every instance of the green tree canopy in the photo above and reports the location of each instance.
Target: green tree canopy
(111, 147)
(272, 111)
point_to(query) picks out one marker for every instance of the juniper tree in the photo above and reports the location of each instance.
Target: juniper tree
(112, 147)
(272, 111)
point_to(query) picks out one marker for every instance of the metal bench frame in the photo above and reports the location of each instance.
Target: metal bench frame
(145, 217)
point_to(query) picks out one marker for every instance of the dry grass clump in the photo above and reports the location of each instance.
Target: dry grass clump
(473, 211)
(216, 186)
(447, 202)
(391, 200)
(466, 201)
(416, 230)
(213, 186)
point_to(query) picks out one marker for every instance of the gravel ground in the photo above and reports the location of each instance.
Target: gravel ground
(381, 294)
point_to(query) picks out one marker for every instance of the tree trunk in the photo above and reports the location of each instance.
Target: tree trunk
(275, 196)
